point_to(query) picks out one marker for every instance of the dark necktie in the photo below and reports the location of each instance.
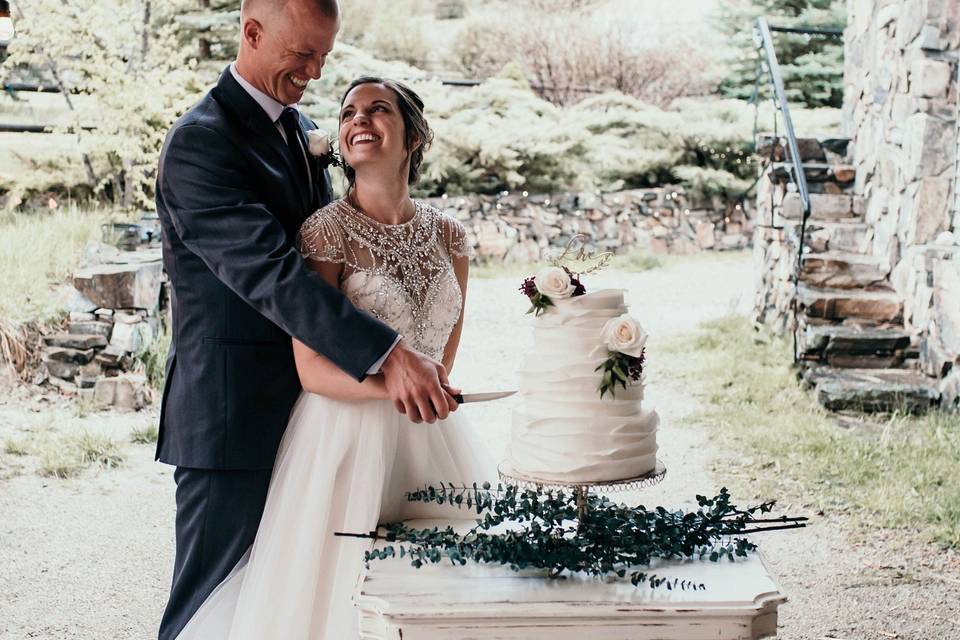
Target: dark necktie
(296, 143)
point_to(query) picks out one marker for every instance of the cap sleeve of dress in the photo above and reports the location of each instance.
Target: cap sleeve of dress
(454, 236)
(321, 238)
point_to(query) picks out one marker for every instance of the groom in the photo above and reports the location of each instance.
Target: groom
(235, 183)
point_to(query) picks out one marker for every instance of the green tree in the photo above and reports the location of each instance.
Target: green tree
(812, 66)
(124, 78)
(211, 29)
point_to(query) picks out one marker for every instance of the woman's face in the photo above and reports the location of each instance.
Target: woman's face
(372, 132)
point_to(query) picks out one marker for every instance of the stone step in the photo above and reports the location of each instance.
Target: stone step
(824, 235)
(812, 149)
(855, 347)
(823, 206)
(841, 174)
(134, 285)
(76, 340)
(872, 390)
(842, 270)
(841, 304)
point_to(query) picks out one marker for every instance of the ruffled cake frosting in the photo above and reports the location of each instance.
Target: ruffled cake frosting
(562, 430)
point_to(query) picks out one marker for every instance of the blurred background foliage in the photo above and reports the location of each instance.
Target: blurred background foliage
(570, 94)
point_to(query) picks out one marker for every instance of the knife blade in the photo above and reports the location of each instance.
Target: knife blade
(463, 398)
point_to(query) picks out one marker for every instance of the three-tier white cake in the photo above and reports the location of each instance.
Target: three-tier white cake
(563, 430)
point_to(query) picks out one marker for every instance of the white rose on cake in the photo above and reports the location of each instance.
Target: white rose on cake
(318, 142)
(625, 335)
(554, 282)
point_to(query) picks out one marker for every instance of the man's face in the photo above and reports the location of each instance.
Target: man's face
(289, 48)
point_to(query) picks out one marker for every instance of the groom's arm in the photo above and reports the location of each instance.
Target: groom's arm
(207, 192)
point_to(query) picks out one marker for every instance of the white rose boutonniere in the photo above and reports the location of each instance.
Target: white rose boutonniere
(625, 335)
(318, 144)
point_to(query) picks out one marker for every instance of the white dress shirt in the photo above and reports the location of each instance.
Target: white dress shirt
(273, 109)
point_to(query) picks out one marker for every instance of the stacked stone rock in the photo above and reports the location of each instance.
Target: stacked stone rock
(851, 341)
(881, 321)
(522, 227)
(901, 108)
(114, 317)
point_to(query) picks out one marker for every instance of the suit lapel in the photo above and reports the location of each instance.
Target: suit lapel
(317, 177)
(237, 101)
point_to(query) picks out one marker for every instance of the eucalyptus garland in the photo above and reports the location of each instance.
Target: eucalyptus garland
(610, 539)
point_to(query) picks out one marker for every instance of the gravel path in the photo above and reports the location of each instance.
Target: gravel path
(91, 557)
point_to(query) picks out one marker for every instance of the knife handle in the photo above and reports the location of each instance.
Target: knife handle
(456, 396)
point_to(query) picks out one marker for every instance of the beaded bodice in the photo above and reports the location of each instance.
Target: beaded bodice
(402, 274)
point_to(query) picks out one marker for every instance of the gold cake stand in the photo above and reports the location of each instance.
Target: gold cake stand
(510, 476)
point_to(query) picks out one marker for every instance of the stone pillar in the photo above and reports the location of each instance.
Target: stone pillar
(901, 110)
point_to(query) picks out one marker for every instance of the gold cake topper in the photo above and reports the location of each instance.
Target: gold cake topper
(576, 259)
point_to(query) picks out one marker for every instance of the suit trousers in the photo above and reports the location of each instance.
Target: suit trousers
(218, 513)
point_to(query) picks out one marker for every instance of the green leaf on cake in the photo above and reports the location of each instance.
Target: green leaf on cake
(539, 303)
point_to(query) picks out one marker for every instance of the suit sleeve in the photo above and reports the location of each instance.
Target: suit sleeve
(219, 218)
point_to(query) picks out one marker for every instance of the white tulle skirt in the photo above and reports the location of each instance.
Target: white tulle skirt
(342, 466)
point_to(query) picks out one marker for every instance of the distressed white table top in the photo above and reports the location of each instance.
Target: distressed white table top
(393, 593)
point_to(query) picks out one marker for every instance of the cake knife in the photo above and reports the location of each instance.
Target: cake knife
(462, 398)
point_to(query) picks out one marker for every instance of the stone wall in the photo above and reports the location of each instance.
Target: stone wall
(833, 225)
(522, 227)
(901, 110)
(114, 316)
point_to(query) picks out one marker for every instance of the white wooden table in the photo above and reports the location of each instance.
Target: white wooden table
(483, 602)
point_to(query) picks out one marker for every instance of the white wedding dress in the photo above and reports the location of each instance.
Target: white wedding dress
(345, 466)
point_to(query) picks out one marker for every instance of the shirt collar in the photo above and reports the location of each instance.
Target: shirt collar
(271, 107)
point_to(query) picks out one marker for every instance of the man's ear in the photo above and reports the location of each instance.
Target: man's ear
(252, 32)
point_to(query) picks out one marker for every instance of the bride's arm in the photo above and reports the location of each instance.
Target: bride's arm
(461, 267)
(319, 375)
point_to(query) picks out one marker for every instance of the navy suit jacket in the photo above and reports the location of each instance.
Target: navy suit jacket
(230, 208)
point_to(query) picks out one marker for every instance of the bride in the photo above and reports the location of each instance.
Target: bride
(347, 457)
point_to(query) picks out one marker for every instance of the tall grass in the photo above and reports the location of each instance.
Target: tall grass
(38, 249)
(67, 455)
(146, 434)
(16, 447)
(154, 358)
(892, 471)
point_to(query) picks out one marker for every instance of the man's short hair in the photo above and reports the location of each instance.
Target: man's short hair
(329, 8)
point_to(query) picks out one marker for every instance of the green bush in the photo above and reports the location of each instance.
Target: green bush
(128, 77)
(501, 136)
(496, 136)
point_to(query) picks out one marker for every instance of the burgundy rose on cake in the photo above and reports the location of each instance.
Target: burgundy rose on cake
(625, 340)
(550, 283)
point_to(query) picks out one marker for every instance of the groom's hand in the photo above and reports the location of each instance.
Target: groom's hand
(416, 385)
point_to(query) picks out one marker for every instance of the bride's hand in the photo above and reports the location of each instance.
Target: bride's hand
(418, 385)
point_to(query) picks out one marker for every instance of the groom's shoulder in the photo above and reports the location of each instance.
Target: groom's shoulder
(204, 126)
(207, 113)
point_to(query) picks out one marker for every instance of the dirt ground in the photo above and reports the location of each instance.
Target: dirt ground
(91, 557)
